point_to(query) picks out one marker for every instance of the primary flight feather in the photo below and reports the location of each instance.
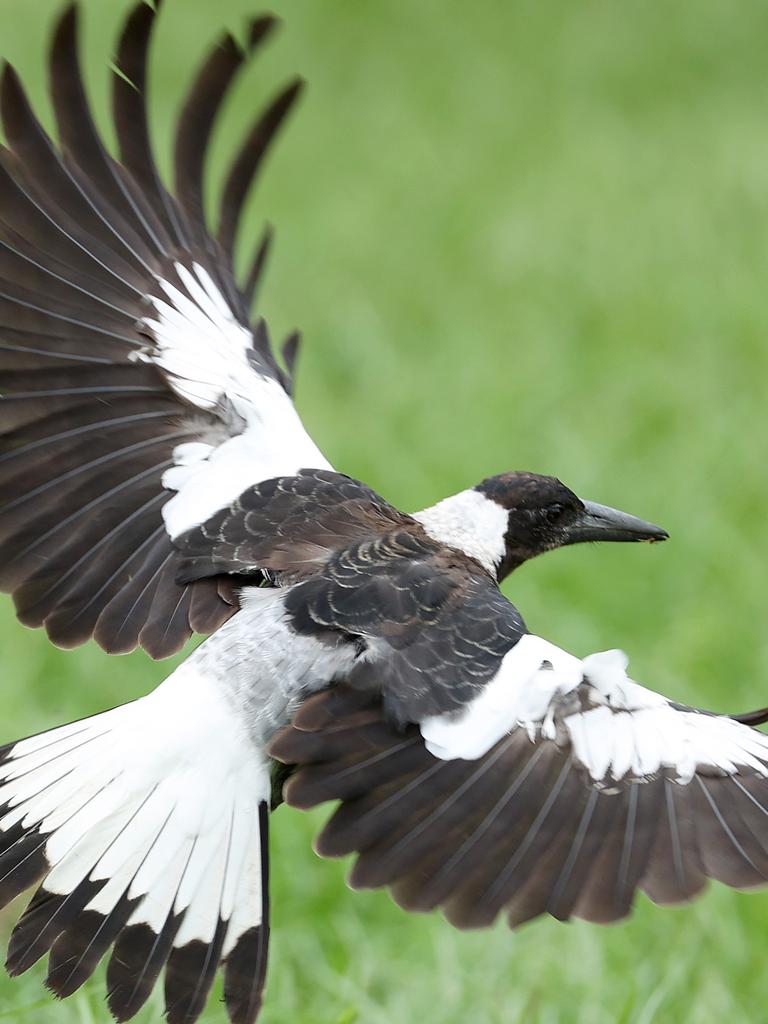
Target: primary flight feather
(156, 480)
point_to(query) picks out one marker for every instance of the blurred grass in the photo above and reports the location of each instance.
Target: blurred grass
(525, 235)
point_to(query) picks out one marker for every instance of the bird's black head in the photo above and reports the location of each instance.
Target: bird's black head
(544, 514)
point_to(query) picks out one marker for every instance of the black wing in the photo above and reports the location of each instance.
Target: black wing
(605, 791)
(435, 634)
(126, 353)
(289, 525)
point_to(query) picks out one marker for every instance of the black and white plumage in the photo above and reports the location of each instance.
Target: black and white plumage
(138, 397)
(146, 841)
(155, 480)
(562, 788)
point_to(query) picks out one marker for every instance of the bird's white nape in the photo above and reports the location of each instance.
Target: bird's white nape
(469, 522)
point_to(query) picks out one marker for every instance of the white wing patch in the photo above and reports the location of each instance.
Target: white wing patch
(520, 694)
(203, 351)
(202, 347)
(273, 443)
(615, 727)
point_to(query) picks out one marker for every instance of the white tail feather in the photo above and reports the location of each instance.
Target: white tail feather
(147, 826)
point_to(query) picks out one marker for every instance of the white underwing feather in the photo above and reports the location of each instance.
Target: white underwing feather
(203, 351)
(615, 727)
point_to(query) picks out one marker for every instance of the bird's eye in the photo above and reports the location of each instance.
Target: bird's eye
(553, 513)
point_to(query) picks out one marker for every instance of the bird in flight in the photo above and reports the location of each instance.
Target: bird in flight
(156, 481)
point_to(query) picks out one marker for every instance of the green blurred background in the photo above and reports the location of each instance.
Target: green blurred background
(520, 234)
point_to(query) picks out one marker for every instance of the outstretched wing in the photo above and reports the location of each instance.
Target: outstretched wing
(138, 399)
(563, 788)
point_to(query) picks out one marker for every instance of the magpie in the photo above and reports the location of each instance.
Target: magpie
(156, 481)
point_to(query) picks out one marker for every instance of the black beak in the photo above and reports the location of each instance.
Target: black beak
(599, 522)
